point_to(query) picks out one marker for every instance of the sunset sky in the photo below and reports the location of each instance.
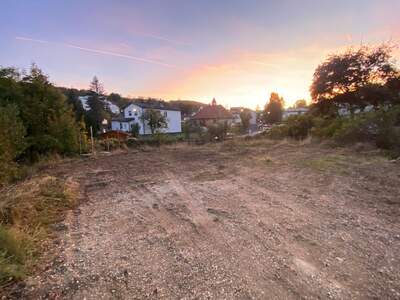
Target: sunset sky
(236, 51)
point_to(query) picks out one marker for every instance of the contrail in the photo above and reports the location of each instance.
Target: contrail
(98, 51)
(161, 38)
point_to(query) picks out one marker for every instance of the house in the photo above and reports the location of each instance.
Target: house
(212, 114)
(132, 114)
(294, 112)
(236, 111)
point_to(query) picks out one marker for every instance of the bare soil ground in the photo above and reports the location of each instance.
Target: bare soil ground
(248, 220)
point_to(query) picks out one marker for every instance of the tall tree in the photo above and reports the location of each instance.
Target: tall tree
(48, 121)
(98, 109)
(356, 79)
(274, 109)
(96, 87)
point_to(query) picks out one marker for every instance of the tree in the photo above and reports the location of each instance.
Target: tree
(96, 87)
(300, 103)
(98, 109)
(346, 79)
(47, 119)
(245, 117)
(72, 96)
(116, 99)
(12, 142)
(154, 119)
(274, 109)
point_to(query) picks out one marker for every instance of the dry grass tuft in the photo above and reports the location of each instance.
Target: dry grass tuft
(27, 212)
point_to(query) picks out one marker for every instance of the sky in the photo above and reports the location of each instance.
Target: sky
(238, 51)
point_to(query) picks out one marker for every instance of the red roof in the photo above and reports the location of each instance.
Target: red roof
(212, 111)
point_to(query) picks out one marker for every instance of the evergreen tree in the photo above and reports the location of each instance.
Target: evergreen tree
(98, 109)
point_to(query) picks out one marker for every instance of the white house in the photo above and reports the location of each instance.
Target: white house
(294, 112)
(132, 114)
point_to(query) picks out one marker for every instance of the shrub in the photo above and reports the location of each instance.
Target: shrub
(217, 131)
(278, 132)
(380, 127)
(299, 127)
(135, 130)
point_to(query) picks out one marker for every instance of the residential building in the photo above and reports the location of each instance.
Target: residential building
(132, 114)
(212, 114)
(294, 112)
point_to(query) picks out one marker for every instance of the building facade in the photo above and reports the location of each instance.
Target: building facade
(133, 114)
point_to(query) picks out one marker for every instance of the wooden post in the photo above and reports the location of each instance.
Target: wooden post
(80, 142)
(91, 137)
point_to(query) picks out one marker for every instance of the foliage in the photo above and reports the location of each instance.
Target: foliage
(12, 142)
(277, 132)
(135, 129)
(380, 127)
(28, 214)
(273, 109)
(356, 79)
(300, 103)
(187, 107)
(245, 117)
(72, 96)
(298, 127)
(154, 119)
(217, 131)
(11, 256)
(48, 120)
(98, 109)
(191, 129)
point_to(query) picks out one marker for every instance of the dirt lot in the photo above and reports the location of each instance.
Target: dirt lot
(259, 220)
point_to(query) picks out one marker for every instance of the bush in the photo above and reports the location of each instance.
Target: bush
(380, 127)
(217, 131)
(298, 127)
(277, 132)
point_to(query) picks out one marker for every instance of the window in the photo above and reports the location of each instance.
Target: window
(165, 114)
(130, 113)
(120, 126)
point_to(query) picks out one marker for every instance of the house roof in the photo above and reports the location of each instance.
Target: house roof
(212, 111)
(152, 104)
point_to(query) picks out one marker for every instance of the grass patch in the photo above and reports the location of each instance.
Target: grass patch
(27, 212)
(335, 162)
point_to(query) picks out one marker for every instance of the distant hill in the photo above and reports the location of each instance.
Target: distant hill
(187, 107)
(115, 101)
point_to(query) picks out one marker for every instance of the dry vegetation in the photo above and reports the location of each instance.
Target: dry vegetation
(247, 219)
(29, 212)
